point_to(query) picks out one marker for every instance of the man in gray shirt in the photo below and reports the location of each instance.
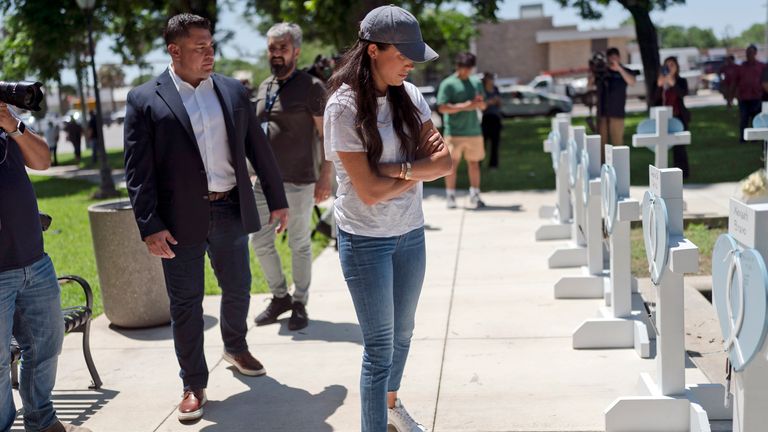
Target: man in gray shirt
(289, 105)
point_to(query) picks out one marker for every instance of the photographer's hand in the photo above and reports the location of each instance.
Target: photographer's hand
(33, 148)
(7, 121)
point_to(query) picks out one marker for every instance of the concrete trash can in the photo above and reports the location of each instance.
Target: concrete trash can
(132, 282)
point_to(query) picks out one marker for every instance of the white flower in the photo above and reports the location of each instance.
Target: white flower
(755, 184)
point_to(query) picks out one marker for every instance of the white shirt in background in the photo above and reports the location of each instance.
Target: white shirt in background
(207, 120)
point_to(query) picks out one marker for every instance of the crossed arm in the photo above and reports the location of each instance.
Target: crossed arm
(432, 162)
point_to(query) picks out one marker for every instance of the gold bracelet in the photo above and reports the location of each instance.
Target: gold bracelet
(408, 171)
(402, 171)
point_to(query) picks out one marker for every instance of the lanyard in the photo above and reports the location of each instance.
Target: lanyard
(270, 100)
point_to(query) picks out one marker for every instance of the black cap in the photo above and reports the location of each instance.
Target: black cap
(396, 26)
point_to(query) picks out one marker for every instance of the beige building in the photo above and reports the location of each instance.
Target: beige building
(526, 47)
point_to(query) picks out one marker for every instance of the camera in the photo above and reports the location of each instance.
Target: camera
(598, 66)
(23, 94)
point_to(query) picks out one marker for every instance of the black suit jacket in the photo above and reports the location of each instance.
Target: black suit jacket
(164, 171)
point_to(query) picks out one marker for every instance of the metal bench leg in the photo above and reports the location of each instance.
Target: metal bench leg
(88, 359)
(15, 374)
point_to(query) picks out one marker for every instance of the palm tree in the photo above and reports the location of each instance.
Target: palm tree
(111, 76)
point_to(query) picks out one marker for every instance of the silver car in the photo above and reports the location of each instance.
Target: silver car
(524, 101)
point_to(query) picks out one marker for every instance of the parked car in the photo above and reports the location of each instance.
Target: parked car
(430, 94)
(638, 90)
(524, 101)
(118, 116)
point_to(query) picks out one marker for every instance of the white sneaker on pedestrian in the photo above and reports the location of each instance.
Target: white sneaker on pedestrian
(475, 202)
(399, 418)
(450, 201)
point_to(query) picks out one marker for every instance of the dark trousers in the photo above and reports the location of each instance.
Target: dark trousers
(680, 155)
(748, 109)
(492, 132)
(76, 144)
(227, 247)
(680, 159)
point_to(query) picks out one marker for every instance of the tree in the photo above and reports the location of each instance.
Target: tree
(111, 76)
(647, 37)
(678, 36)
(755, 34)
(448, 32)
(321, 20)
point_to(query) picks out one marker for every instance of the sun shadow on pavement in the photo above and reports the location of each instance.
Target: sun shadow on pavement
(157, 333)
(271, 406)
(74, 406)
(324, 331)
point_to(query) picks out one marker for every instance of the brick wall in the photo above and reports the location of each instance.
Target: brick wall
(569, 54)
(509, 48)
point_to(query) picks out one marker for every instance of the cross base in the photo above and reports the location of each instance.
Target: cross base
(567, 257)
(655, 412)
(580, 287)
(610, 332)
(554, 231)
(547, 212)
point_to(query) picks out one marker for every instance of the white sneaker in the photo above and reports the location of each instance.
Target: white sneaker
(450, 201)
(475, 202)
(399, 418)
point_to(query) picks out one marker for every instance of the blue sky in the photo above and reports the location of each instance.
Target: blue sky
(723, 16)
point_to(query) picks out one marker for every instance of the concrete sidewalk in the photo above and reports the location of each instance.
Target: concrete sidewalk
(491, 352)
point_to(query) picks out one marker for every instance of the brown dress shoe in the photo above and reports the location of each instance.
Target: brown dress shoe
(65, 427)
(191, 406)
(245, 363)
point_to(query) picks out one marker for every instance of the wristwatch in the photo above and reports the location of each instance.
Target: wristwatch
(20, 128)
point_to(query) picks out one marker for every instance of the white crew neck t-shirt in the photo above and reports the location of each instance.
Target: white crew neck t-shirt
(390, 218)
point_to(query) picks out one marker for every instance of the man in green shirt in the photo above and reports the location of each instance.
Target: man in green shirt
(460, 98)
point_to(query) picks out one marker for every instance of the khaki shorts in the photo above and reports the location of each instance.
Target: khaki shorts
(472, 148)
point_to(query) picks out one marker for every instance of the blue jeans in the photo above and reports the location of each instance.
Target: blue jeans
(227, 247)
(30, 308)
(384, 277)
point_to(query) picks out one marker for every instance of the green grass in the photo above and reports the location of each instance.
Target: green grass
(701, 235)
(715, 154)
(114, 157)
(70, 245)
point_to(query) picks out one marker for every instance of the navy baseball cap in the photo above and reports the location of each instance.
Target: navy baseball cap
(396, 26)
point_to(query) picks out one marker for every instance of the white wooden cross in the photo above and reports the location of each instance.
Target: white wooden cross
(586, 198)
(759, 134)
(671, 406)
(740, 297)
(661, 141)
(618, 326)
(561, 214)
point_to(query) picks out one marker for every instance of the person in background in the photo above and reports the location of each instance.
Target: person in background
(611, 86)
(52, 139)
(289, 106)
(727, 73)
(671, 91)
(459, 98)
(74, 135)
(749, 89)
(492, 117)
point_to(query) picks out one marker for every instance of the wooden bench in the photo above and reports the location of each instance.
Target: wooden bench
(77, 319)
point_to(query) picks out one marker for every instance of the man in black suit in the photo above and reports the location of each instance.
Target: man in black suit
(188, 134)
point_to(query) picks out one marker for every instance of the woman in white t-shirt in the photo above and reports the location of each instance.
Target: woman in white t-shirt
(379, 135)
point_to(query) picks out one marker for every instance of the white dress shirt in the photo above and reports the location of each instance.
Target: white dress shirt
(207, 120)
